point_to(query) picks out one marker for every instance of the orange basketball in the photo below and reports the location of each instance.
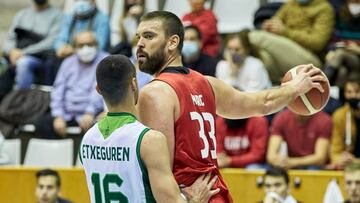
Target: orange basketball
(312, 101)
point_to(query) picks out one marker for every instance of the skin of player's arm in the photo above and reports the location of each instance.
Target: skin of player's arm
(234, 104)
(231, 103)
(155, 155)
(318, 158)
(273, 149)
(156, 109)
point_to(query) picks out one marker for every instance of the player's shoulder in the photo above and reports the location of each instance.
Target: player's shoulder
(91, 132)
(156, 90)
(152, 138)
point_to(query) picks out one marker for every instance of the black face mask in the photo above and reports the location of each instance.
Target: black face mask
(354, 103)
(40, 2)
(237, 123)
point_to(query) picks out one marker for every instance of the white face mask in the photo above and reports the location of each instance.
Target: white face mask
(86, 54)
(354, 9)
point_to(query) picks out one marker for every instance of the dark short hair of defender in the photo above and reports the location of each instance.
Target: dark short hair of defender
(49, 172)
(113, 76)
(195, 28)
(277, 172)
(171, 23)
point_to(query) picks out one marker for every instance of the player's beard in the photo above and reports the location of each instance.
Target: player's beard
(153, 63)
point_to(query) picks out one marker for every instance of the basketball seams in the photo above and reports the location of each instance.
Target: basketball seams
(303, 97)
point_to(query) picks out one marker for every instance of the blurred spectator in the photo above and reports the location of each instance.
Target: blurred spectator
(206, 21)
(343, 58)
(298, 31)
(345, 143)
(48, 187)
(240, 68)
(133, 10)
(352, 182)
(30, 41)
(85, 17)
(276, 185)
(74, 100)
(192, 55)
(242, 143)
(307, 139)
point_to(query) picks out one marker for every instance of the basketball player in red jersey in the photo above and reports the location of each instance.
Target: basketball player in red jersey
(182, 103)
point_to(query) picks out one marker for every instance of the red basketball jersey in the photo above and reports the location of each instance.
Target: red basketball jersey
(195, 142)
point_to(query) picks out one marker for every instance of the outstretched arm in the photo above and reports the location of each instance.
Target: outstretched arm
(231, 103)
(155, 155)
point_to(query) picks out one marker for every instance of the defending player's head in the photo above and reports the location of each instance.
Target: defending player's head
(116, 80)
(160, 40)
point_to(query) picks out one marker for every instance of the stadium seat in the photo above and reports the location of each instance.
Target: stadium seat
(235, 15)
(177, 7)
(49, 153)
(11, 152)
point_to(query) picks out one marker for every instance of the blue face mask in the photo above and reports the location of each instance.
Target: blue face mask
(303, 2)
(190, 48)
(83, 7)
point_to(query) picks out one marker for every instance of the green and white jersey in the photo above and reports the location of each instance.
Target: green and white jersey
(110, 154)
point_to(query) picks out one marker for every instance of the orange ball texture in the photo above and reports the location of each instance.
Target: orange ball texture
(311, 102)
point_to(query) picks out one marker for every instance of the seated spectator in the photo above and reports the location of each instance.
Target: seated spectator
(307, 139)
(48, 185)
(352, 182)
(86, 17)
(30, 42)
(192, 55)
(296, 34)
(74, 100)
(345, 143)
(242, 143)
(241, 68)
(133, 10)
(343, 59)
(206, 21)
(276, 185)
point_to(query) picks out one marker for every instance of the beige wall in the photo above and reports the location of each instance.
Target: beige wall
(17, 185)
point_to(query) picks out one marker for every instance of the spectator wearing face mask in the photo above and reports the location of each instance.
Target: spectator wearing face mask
(345, 143)
(30, 41)
(74, 100)
(343, 59)
(206, 21)
(192, 55)
(85, 17)
(240, 68)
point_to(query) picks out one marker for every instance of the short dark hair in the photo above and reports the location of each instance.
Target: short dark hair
(277, 172)
(113, 76)
(49, 172)
(171, 23)
(195, 28)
